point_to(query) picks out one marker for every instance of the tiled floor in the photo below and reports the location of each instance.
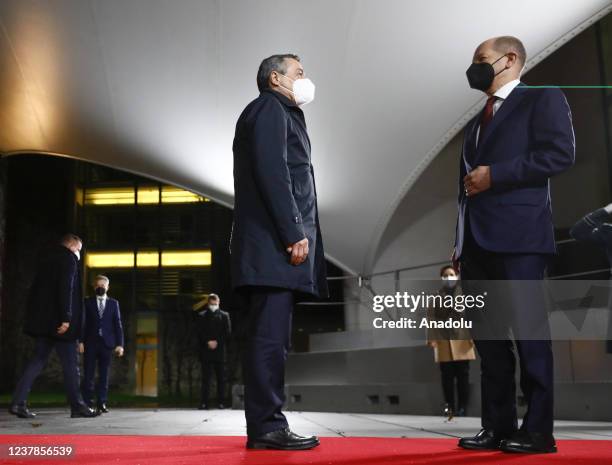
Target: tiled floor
(231, 423)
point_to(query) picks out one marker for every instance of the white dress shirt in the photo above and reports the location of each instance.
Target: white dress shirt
(101, 301)
(501, 95)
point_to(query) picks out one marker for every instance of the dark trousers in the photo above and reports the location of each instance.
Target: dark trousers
(456, 371)
(96, 354)
(208, 367)
(498, 360)
(268, 341)
(67, 353)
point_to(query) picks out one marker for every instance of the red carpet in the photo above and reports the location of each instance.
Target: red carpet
(224, 450)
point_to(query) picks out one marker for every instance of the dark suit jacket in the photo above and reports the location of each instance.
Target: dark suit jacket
(275, 199)
(530, 139)
(56, 296)
(213, 326)
(110, 324)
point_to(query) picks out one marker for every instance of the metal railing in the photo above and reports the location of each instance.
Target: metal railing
(364, 281)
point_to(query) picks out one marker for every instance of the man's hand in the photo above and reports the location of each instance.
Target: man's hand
(298, 251)
(119, 351)
(478, 180)
(212, 345)
(81, 348)
(432, 344)
(63, 328)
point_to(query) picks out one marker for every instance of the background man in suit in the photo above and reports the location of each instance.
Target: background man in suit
(505, 232)
(103, 336)
(276, 245)
(54, 318)
(213, 327)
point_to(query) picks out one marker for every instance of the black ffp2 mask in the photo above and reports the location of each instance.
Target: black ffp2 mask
(480, 75)
(100, 291)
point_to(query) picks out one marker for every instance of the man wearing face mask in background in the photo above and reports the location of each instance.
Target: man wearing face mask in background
(453, 348)
(103, 335)
(505, 232)
(276, 245)
(55, 319)
(213, 327)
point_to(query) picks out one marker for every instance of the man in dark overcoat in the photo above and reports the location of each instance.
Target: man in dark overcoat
(276, 245)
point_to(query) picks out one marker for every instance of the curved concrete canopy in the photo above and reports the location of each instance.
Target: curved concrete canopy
(155, 87)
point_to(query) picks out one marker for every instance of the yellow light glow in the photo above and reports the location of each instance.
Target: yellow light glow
(110, 260)
(149, 259)
(148, 195)
(176, 195)
(110, 196)
(187, 258)
(79, 196)
(144, 259)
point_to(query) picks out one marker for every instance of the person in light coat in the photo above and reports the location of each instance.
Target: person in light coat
(453, 350)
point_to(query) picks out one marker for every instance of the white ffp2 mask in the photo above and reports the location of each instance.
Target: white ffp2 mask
(450, 281)
(303, 90)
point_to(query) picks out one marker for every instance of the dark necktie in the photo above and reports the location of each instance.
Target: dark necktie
(100, 314)
(487, 116)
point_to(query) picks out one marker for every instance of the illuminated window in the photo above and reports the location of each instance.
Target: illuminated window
(110, 196)
(110, 260)
(147, 195)
(175, 195)
(187, 258)
(146, 259)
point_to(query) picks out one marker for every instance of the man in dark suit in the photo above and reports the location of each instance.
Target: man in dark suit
(55, 319)
(103, 335)
(213, 327)
(276, 245)
(505, 232)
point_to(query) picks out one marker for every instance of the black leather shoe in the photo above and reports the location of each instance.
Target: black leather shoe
(203, 407)
(282, 439)
(21, 410)
(102, 408)
(484, 440)
(83, 411)
(529, 443)
(221, 407)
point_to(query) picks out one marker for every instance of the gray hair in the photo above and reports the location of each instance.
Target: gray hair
(101, 277)
(69, 239)
(213, 296)
(273, 63)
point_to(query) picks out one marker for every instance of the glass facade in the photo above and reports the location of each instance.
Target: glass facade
(158, 245)
(165, 249)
